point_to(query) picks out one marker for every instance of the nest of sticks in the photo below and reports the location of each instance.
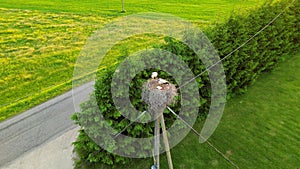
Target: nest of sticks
(158, 95)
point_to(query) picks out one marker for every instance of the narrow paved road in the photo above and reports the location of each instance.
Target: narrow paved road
(40, 124)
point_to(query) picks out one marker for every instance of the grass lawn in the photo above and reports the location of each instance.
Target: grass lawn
(40, 40)
(259, 129)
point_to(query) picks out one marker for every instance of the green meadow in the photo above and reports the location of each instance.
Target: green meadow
(41, 40)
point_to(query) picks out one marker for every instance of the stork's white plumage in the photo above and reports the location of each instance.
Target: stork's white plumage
(154, 75)
(162, 81)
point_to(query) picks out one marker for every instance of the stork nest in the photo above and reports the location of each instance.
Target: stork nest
(158, 96)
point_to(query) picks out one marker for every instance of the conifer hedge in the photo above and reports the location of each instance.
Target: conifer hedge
(260, 54)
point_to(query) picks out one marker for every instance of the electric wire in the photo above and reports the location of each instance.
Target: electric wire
(243, 44)
(209, 143)
(54, 86)
(228, 55)
(117, 135)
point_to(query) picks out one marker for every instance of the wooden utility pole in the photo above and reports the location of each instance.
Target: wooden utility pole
(123, 6)
(157, 141)
(166, 141)
(160, 121)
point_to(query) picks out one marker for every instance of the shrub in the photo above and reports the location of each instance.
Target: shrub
(243, 66)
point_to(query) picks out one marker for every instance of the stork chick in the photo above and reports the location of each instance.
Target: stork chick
(159, 87)
(162, 81)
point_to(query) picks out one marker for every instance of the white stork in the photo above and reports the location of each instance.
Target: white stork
(154, 75)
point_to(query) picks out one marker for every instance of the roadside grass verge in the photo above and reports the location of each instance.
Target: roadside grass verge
(41, 41)
(259, 129)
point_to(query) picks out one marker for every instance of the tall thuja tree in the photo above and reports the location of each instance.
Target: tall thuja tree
(279, 37)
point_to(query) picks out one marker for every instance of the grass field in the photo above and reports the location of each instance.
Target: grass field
(196, 10)
(259, 129)
(40, 40)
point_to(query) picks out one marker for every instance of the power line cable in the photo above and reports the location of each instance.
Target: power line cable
(209, 143)
(243, 44)
(117, 135)
(50, 88)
